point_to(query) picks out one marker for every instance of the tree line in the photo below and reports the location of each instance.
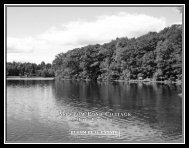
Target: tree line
(153, 56)
(29, 69)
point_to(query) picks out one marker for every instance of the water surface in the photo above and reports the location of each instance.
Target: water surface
(34, 111)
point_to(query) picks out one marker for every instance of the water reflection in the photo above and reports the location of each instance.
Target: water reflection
(155, 105)
(156, 110)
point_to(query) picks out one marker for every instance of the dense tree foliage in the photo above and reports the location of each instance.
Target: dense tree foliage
(29, 69)
(155, 56)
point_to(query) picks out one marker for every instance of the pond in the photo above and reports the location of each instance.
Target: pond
(64, 110)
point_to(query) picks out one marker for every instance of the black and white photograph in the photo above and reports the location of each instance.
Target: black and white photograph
(94, 73)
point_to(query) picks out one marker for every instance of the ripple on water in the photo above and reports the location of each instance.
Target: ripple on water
(33, 112)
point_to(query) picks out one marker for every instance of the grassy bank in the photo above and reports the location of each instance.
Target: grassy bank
(29, 78)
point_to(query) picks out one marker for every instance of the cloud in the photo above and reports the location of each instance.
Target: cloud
(81, 32)
(20, 45)
(103, 29)
(179, 9)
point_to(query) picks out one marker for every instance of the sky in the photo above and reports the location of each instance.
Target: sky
(36, 34)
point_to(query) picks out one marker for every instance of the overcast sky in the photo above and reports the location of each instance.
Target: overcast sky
(36, 34)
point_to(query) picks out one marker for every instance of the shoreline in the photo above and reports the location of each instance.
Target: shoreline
(29, 78)
(129, 81)
(54, 78)
(152, 81)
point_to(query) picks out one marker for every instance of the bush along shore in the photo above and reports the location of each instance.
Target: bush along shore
(153, 57)
(179, 82)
